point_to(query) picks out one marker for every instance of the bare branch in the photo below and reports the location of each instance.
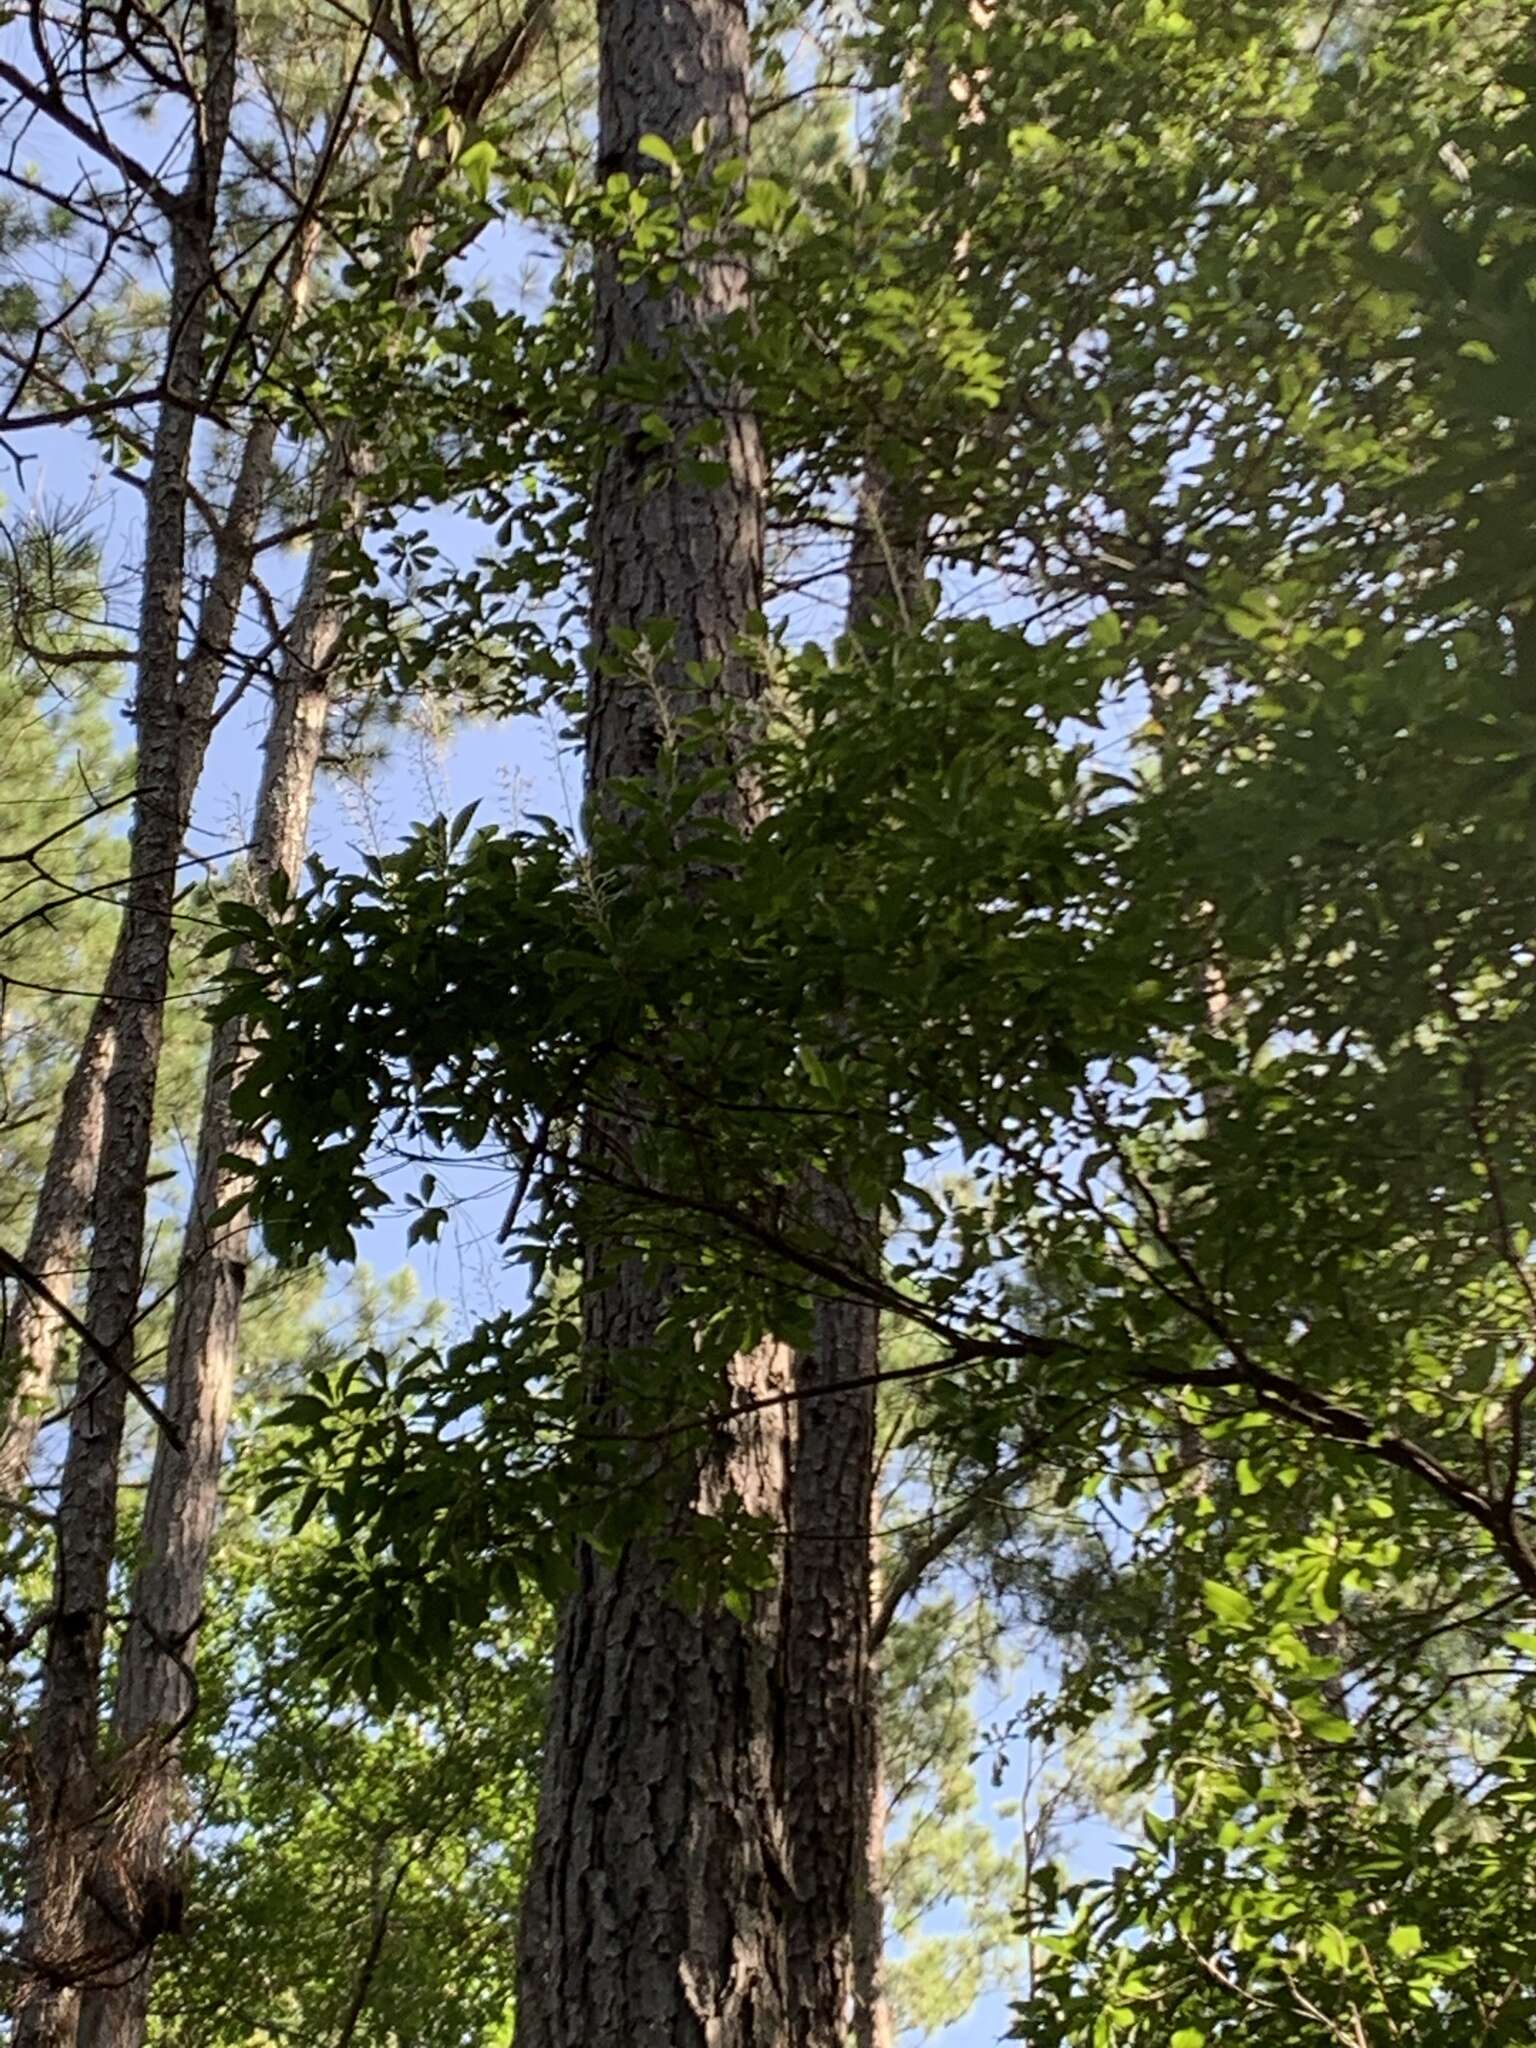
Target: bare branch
(12, 1268)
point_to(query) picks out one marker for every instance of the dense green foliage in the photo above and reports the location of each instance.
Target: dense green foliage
(1181, 894)
(1140, 925)
(359, 1875)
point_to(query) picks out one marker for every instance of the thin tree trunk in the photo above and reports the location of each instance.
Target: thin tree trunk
(656, 1904)
(830, 1766)
(156, 1694)
(172, 726)
(833, 1795)
(873, 2026)
(178, 713)
(55, 1247)
(71, 1186)
(887, 572)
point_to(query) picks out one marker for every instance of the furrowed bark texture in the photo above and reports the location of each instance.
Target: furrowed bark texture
(61, 1938)
(684, 553)
(833, 1791)
(657, 1902)
(873, 2023)
(830, 1709)
(55, 1247)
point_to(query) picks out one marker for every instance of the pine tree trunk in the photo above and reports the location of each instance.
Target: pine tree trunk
(657, 1900)
(156, 1694)
(834, 1582)
(830, 1708)
(833, 1795)
(55, 1247)
(873, 2023)
(58, 1947)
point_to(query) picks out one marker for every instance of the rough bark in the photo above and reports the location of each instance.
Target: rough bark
(833, 1798)
(156, 1689)
(656, 1905)
(172, 713)
(662, 549)
(54, 1250)
(873, 2024)
(830, 1761)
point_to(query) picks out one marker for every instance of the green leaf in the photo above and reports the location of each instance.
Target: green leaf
(814, 1065)
(1333, 1945)
(1230, 1605)
(658, 150)
(1320, 1721)
(477, 163)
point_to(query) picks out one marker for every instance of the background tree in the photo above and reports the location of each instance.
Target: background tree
(306, 163)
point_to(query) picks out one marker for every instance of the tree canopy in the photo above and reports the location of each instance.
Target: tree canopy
(1005, 1108)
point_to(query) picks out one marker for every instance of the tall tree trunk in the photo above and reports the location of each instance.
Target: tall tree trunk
(833, 1794)
(831, 1773)
(172, 720)
(136, 976)
(873, 2024)
(55, 1246)
(155, 1693)
(656, 1904)
(887, 571)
